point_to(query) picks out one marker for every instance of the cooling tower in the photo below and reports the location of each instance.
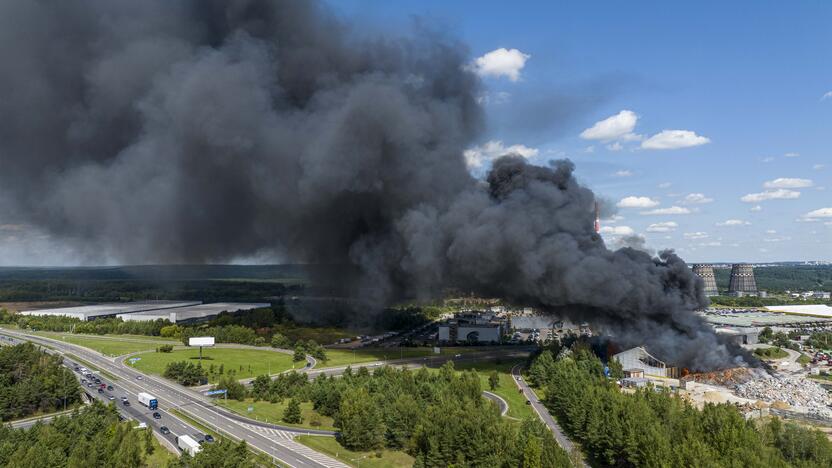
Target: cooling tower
(742, 279)
(706, 272)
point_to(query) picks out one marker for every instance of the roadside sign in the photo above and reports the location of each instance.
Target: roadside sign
(436, 350)
(135, 359)
(250, 409)
(215, 392)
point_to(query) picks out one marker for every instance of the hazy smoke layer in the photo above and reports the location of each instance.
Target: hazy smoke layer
(193, 131)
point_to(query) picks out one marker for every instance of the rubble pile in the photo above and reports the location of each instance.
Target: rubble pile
(794, 390)
(726, 377)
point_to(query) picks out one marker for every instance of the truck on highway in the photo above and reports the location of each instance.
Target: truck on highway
(187, 444)
(148, 400)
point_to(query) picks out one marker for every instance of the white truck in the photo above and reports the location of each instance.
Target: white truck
(148, 400)
(188, 445)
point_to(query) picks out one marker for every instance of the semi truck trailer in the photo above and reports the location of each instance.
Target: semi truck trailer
(148, 400)
(188, 445)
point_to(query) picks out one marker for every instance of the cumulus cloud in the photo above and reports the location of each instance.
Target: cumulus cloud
(501, 62)
(756, 208)
(612, 128)
(478, 156)
(826, 96)
(696, 199)
(623, 173)
(637, 202)
(819, 213)
(667, 226)
(733, 222)
(673, 210)
(787, 183)
(818, 167)
(778, 194)
(696, 235)
(674, 139)
(618, 230)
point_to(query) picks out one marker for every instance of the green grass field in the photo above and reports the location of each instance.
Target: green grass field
(770, 353)
(245, 362)
(273, 412)
(110, 345)
(343, 357)
(331, 447)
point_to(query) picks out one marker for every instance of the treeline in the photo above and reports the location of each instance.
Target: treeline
(751, 301)
(32, 381)
(186, 373)
(440, 418)
(93, 436)
(657, 428)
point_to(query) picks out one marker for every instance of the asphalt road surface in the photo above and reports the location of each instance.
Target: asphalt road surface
(129, 383)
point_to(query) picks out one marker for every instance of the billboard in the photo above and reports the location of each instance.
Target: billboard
(201, 341)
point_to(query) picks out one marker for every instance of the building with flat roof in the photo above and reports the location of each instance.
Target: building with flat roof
(191, 313)
(92, 312)
(639, 358)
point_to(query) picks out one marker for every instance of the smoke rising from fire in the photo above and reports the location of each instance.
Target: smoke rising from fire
(196, 131)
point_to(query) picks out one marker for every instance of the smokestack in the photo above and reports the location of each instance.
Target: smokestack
(597, 218)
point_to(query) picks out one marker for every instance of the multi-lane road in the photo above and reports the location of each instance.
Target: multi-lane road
(276, 443)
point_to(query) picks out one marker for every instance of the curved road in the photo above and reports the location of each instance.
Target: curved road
(276, 444)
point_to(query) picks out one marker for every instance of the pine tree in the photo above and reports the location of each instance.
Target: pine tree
(292, 414)
(532, 453)
(494, 380)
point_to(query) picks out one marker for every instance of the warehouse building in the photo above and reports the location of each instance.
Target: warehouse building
(638, 359)
(460, 330)
(191, 313)
(92, 312)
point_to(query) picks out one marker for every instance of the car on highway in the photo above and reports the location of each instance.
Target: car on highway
(89, 384)
(111, 398)
(138, 377)
(164, 430)
(110, 388)
(125, 402)
(83, 381)
(100, 390)
(209, 438)
(156, 415)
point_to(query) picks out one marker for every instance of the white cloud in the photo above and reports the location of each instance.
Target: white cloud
(696, 199)
(589, 149)
(696, 235)
(779, 194)
(623, 173)
(501, 62)
(615, 146)
(826, 95)
(637, 202)
(791, 155)
(611, 128)
(477, 156)
(665, 185)
(768, 159)
(674, 139)
(787, 183)
(673, 210)
(733, 222)
(777, 239)
(818, 167)
(667, 226)
(819, 213)
(618, 230)
(771, 231)
(756, 208)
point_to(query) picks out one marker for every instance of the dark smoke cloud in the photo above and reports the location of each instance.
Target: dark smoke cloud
(195, 131)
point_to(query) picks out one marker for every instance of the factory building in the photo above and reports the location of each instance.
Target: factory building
(464, 330)
(706, 272)
(92, 312)
(742, 282)
(740, 335)
(637, 361)
(193, 313)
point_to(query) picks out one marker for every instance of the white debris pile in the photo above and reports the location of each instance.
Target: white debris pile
(794, 390)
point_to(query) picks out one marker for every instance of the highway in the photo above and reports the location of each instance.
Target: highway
(278, 444)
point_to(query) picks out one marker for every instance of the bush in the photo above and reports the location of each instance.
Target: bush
(165, 348)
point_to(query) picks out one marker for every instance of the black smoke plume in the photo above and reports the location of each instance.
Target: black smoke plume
(194, 130)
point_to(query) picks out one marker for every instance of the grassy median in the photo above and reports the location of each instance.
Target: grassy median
(245, 362)
(331, 447)
(273, 413)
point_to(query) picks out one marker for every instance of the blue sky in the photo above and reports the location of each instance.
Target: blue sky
(744, 81)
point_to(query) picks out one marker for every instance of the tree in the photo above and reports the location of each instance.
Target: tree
(765, 335)
(280, 341)
(494, 380)
(362, 427)
(292, 414)
(532, 453)
(300, 354)
(148, 441)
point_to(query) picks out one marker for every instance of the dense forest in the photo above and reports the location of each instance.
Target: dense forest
(657, 428)
(93, 436)
(32, 381)
(440, 418)
(785, 277)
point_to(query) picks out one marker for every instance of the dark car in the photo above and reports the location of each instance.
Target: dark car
(164, 430)
(126, 403)
(157, 416)
(100, 390)
(110, 387)
(89, 384)
(83, 380)
(528, 402)
(209, 438)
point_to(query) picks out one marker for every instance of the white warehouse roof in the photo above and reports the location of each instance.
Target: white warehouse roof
(90, 312)
(192, 312)
(819, 310)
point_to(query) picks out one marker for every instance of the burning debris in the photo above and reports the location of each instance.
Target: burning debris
(181, 131)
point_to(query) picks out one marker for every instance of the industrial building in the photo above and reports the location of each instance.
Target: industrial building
(471, 328)
(92, 312)
(742, 282)
(638, 361)
(192, 313)
(706, 272)
(769, 318)
(740, 335)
